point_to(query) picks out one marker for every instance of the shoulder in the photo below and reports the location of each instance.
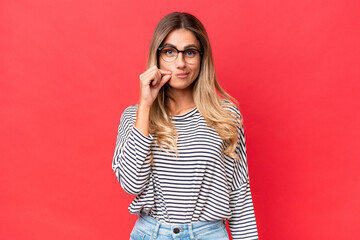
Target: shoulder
(232, 108)
(130, 112)
(131, 109)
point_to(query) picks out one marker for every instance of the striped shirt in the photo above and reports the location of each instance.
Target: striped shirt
(202, 184)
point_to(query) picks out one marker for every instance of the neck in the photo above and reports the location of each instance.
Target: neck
(182, 101)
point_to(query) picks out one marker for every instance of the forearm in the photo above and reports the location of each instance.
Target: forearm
(142, 122)
(242, 223)
(131, 160)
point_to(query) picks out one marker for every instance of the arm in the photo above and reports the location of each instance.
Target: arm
(242, 223)
(131, 161)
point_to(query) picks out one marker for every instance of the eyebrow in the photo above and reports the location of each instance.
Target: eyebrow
(187, 46)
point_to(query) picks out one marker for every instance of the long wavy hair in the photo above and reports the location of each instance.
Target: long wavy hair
(211, 105)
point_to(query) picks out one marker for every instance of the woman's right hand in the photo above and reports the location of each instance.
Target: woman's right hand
(151, 81)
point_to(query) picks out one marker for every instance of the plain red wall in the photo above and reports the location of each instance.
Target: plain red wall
(69, 68)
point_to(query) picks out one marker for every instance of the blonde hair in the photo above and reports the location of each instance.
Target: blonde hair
(211, 106)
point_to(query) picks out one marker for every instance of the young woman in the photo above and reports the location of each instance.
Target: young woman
(181, 149)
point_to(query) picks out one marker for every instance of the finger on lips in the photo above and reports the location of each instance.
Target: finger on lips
(155, 76)
(165, 72)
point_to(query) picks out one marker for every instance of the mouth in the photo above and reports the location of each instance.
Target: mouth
(182, 75)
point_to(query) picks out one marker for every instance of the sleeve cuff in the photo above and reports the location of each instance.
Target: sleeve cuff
(142, 136)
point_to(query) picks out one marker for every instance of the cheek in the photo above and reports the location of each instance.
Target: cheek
(164, 66)
(161, 65)
(196, 70)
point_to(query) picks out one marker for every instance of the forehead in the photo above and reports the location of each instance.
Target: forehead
(181, 38)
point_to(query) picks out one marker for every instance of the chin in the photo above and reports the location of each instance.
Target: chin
(179, 84)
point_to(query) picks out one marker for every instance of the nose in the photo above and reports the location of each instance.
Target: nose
(180, 61)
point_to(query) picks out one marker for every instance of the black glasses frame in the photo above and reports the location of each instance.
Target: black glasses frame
(180, 51)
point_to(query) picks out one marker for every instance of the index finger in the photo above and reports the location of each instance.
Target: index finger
(164, 71)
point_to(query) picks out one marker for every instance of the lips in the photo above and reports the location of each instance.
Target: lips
(182, 75)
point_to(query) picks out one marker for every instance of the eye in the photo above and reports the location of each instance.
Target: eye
(169, 51)
(190, 53)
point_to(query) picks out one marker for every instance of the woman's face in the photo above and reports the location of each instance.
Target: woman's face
(181, 39)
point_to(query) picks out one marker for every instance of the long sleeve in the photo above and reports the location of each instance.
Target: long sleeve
(131, 161)
(242, 223)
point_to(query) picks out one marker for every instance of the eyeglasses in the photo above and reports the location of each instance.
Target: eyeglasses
(169, 54)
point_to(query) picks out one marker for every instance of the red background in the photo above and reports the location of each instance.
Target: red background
(69, 68)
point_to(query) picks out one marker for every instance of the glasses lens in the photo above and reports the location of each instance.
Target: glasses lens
(168, 54)
(191, 56)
